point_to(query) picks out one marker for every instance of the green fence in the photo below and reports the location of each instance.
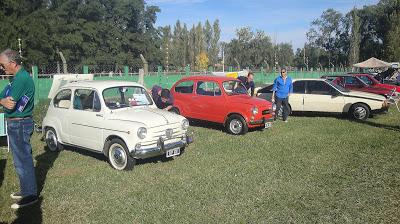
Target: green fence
(165, 80)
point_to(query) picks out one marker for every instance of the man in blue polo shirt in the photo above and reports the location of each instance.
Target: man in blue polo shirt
(281, 91)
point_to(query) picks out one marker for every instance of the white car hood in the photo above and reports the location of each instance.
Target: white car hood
(365, 95)
(151, 117)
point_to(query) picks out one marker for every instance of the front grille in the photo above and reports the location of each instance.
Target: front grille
(264, 112)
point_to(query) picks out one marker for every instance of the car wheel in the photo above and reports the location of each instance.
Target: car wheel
(236, 125)
(359, 111)
(174, 110)
(118, 155)
(52, 140)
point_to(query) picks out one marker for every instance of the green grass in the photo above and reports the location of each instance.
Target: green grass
(310, 170)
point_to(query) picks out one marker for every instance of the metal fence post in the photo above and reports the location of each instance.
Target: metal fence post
(85, 69)
(159, 70)
(35, 75)
(187, 70)
(126, 71)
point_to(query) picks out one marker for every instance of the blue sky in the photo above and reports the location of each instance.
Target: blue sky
(285, 20)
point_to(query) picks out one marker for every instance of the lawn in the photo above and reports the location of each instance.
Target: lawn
(314, 169)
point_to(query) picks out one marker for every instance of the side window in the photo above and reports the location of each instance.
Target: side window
(208, 89)
(86, 99)
(352, 81)
(366, 80)
(318, 88)
(184, 87)
(63, 99)
(299, 87)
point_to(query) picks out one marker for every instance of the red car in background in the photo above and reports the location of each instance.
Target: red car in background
(352, 82)
(370, 80)
(221, 100)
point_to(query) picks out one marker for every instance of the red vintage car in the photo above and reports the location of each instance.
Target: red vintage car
(222, 100)
(370, 80)
(351, 82)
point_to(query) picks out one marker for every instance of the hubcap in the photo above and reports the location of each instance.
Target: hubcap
(118, 156)
(360, 112)
(235, 126)
(51, 140)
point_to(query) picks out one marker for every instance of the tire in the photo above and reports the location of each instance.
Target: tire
(359, 111)
(118, 155)
(236, 125)
(52, 140)
(175, 110)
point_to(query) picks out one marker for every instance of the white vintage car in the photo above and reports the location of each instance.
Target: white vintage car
(319, 95)
(116, 118)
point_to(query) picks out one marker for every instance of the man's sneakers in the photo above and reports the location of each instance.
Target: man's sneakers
(16, 195)
(25, 201)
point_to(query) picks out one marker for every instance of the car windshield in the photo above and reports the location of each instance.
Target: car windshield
(126, 96)
(338, 87)
(234, 87)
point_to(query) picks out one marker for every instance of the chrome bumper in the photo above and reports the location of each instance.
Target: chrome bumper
(261, 122)
(160, 147)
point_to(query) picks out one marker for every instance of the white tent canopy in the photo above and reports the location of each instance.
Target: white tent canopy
(372, 63)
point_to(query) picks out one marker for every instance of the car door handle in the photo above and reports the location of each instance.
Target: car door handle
(195, 97)
(99, 115)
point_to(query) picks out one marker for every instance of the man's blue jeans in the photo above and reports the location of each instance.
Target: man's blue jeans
(19, 135)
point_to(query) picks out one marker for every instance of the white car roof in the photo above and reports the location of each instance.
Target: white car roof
(100, 84)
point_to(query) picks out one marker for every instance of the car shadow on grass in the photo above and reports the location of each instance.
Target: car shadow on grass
(378, 125)
(216, 126)
(33, 213)
(103, 158)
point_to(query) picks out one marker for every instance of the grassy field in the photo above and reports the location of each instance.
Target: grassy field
(314, 169)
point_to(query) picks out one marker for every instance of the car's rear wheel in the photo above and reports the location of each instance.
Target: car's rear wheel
(118, 155)
(52, 140)
(236, 125)
(359, 111)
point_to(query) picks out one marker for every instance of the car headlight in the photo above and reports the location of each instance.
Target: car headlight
(185, 124)
(142, 132)
(254, 110)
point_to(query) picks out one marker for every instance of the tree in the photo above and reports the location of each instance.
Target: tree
(354, 53)
(202, 61)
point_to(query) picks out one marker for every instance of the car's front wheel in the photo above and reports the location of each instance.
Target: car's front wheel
(236, 125)
(359, 111)
(52, 140)
(118, 155)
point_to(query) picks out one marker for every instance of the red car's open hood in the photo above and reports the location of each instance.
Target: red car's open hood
(242, 98)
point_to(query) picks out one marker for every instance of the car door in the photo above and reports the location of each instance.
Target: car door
(183, 97)
(322, 97)
(86, 122)
(62, 111)
(296, 99)
(208, 102)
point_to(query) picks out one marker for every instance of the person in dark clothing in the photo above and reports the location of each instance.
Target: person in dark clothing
(248, 82)
(162, 98)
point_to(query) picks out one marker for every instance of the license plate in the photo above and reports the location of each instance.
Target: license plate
(268, 125)
(173, 152)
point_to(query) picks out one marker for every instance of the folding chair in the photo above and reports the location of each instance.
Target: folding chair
(393, 98)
